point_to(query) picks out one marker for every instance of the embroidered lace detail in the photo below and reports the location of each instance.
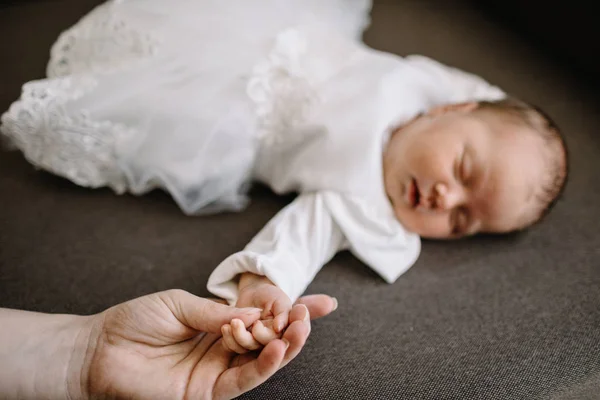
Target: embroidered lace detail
(101, 42)
(281, 89)
(73, 146)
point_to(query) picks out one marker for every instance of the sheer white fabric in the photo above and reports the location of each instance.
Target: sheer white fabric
(200, 97)
(178, 94)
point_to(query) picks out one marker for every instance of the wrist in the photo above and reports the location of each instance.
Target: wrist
(249, 279)
(86, 334)
(44, 355)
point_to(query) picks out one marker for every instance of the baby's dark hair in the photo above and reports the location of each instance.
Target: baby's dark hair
(553, 186)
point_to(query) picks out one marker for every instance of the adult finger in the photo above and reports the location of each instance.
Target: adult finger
(297, 333)
(319, 305)
(281, 314)
(238, 380)
(203, 314)
(213, 363)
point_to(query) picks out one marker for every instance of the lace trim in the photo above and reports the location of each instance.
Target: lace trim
(99, 43)
(280, 88)
(72, 146)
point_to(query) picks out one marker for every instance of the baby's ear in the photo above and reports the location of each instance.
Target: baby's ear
(456, 107)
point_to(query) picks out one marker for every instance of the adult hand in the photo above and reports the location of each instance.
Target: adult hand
(167, 345)
(163, 345)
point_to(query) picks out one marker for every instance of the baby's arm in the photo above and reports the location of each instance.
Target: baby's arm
(278, 264)
(295, 244)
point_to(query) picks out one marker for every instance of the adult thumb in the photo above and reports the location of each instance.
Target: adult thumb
(205, 315)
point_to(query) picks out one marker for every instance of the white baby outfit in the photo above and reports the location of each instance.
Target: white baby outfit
(200, 98)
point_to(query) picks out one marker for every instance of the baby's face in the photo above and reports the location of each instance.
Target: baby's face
(455, 172)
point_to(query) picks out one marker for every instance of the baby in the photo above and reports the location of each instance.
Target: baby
(454, 171)
(201, 98)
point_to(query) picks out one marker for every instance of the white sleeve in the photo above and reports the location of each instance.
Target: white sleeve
(306, 234)
(452, 85)
(377, 238)
(289, 250)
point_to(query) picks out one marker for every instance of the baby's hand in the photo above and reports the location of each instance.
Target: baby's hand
(260, 292)
(240, 340)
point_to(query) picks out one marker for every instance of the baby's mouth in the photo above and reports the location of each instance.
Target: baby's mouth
(414, 195)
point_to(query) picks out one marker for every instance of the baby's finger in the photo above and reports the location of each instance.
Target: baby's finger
(229, 342)
(237, 380)
(263, 334)
(280, 321)
(242, 336)
(281, 313)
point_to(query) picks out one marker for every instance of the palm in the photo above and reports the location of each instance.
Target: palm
(144, 338)
(157, 346)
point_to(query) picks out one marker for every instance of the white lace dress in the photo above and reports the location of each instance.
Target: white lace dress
(179, 94)
(201, 97)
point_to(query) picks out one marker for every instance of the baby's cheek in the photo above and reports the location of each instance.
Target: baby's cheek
(427, 225)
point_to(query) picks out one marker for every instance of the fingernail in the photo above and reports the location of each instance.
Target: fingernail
(335, 303)
(286, 342)
(306, 314)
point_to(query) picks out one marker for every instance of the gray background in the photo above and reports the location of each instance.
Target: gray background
(485, 318)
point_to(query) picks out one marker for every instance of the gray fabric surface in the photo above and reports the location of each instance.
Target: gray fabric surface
(485, 318)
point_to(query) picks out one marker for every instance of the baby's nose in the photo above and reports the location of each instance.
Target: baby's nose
(446, 199)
